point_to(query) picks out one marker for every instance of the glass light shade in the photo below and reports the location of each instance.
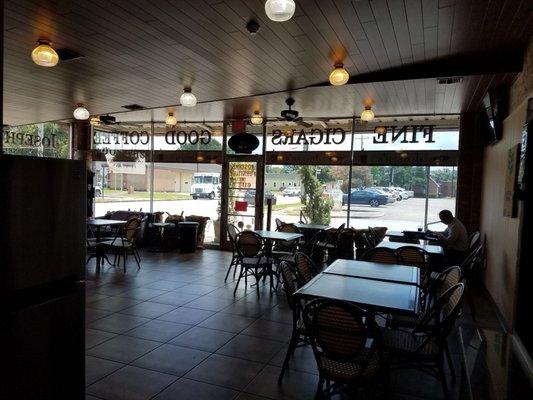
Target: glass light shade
(367, 114)
(280, 10)
(171, 119)
(188, 99)
(279, 157)
(44, 55)
(200, 158)
(81, 112)
(334, 159)
(380, 129)
(256, 119)
(288, 132)
(94, 120)
(339, 76)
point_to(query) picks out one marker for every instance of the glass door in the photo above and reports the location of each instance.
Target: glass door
(244, 198)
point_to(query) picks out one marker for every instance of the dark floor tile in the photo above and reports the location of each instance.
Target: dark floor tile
(415, 383)
(279, 313)
(227, 322)
(202, 339)
(226, 371)
(186, 389)
(161, 331)
(196, 288)
(142, 293)
(110, 289)
(165, 285)
(175, 298)
(131, 383)
(246, 308)
(94, 296)
(117, 323)
(94, 337)
(269, 330)
(302, 359)
(251, 348)
(249, 396)
(296, 385)
(186, 315)
(172, 359)
(92, 314)
(209, 303)
(148, 309)
(123, 348)
(97, 368)
(113, 304)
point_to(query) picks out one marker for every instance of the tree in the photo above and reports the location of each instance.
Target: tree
(50, 139)
(316, 208)
(361, 176)
(212, 145)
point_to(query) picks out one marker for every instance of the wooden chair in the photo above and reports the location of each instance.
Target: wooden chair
(232, 235)
(124, 242)
(298, 335)
(415, 256)
(425, 346)
(382, 255)
(284, 250)
(346, 344)
(473, 240)
(279, 222)
(251, 258)
(305, 268)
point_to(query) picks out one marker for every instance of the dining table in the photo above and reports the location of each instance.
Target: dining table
(97, 224)
(431, 249)
(370, 294)
(397, 273)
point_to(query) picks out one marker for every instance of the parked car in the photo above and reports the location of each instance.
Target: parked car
(390, 196)
(402, 192)
(249, 196)
(372, 198)
(291, 192)
(393, 196)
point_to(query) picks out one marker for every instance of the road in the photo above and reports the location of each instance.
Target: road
(405, 214)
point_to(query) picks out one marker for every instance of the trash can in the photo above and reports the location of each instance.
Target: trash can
(188, 232)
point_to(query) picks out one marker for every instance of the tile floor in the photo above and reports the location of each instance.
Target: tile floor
(174, 330)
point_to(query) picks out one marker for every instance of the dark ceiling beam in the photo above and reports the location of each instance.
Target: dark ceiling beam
(454, 66)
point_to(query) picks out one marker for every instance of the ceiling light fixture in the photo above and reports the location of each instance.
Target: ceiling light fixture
(367, 114)
(339, 76)
(256, 119)
(44, 55)
(279, 157)
(334, 159)
(288, 132)
(200, 157)
(380, 130)
(95, 120)
(171, 119)
(81, 112)
(280, 10)
(188, 99)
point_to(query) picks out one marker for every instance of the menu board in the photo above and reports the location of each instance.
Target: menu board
(243, 175)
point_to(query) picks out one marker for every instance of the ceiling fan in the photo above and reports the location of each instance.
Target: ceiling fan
(291, 115)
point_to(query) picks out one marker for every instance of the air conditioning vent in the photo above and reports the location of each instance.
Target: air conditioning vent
(449, 81)
(68, 55)
(134, 107)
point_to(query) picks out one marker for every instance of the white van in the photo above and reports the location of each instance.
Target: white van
(205, 184)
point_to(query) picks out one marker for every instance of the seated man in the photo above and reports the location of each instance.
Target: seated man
(454, 239)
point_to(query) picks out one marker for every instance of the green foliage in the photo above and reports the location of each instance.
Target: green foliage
(212, 145)
(406, 177)
(316, 208)
(26, 140)
(444, 174)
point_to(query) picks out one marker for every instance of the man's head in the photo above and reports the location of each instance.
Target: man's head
(446, 217)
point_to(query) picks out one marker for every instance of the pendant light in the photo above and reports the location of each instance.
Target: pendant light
(339, 76)
(95, 120)
(171, 119)
(188, 99)
(81, 112)
(367, 114)
(44, 55)
(256, 119)
(280, 10)
(288, 132)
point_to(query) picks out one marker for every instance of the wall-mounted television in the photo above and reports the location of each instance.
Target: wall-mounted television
(495, 105)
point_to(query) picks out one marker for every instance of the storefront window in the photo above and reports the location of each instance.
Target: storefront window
(49, 139)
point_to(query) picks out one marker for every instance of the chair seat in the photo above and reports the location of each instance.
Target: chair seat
(253, 262)
(118, 243)
(406, 343)
(341, 371)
